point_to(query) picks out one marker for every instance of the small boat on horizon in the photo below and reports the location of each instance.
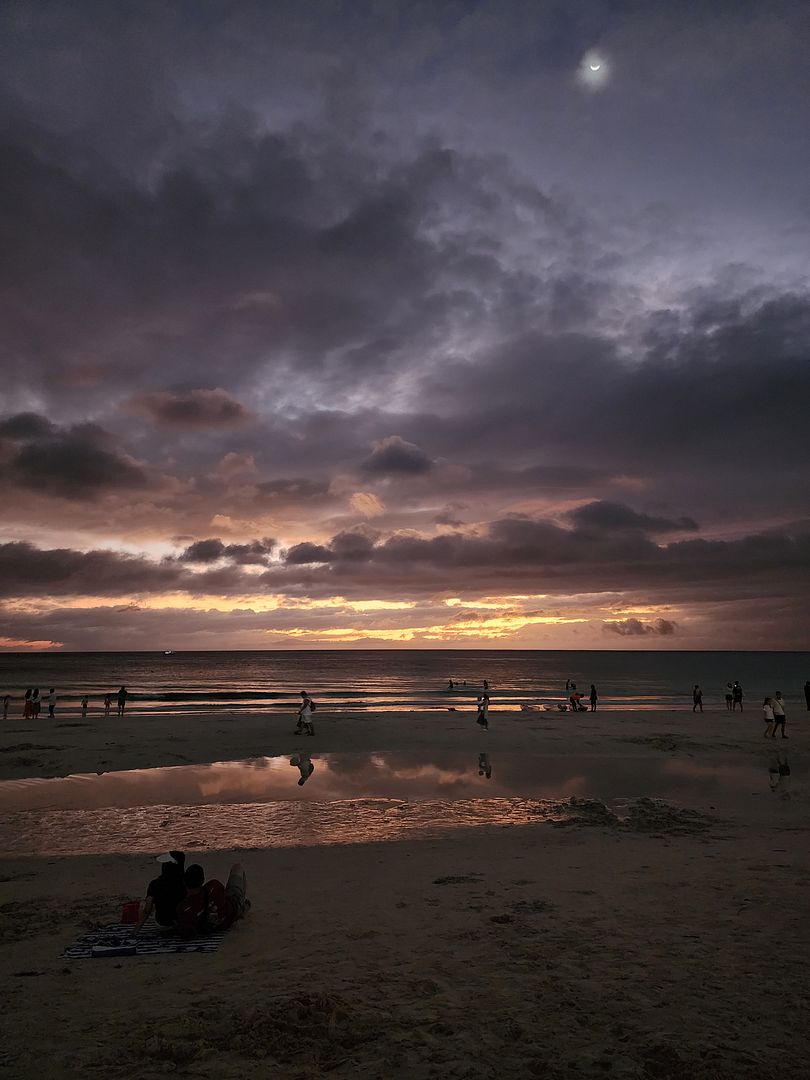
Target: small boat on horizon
(168, 652)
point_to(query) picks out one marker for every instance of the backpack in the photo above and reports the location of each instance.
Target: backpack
(312, 705)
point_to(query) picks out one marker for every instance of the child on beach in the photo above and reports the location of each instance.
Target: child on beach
(697, 699)
(307, 708)
(107, 704)
(767, 713)
(51, 701)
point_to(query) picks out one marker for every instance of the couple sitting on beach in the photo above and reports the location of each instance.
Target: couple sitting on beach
(181, 898)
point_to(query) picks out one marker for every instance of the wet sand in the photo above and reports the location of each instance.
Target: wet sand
(658, 950)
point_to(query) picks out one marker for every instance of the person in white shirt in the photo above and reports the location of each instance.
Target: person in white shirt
(779, 717)
(483, 709)
(767, 713)
(51, 701)
(305, 715)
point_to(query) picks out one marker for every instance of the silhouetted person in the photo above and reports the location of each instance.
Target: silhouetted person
(164, 893)
(594, 698)
(779, 718)
(486, 687)
(51, 701)
(697, 699)
(107, 704)
(450, 684)
(729, 696)
(484, 767)
(123, 694)
(85, 702)
(36, 704)
(28, 708)
(736, 696)
(807, 694)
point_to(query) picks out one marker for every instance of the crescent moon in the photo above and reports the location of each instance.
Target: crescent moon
(594, 67)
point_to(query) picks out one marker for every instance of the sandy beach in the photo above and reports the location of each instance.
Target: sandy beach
(669, 946)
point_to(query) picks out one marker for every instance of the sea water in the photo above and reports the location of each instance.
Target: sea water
(396, 680)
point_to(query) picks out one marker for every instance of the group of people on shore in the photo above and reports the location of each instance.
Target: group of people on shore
(574, 699)
(32, 703)
(182, 900)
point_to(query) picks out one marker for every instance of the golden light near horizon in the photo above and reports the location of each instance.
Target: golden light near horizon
(594, 70)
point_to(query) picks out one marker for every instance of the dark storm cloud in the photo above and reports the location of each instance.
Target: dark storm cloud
(76, 462)
(637, 628)
(28, 571)
(205, 551)
(616, 517)
(395, 455)
(191, 409)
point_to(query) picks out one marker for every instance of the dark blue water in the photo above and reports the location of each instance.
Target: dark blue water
(396, 680)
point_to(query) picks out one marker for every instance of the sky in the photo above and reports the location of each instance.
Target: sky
(395, 324)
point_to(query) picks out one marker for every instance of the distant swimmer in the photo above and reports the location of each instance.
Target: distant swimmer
(303, 763)
(305, 711)
(451, 685)
(484, 767)
(483, 710)
(123, 694)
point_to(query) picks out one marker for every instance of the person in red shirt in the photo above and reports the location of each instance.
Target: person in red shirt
(210, 905)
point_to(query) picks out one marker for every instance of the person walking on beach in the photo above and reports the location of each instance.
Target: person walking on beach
(28, 708)
(36, 703)
(51, 702)
(594, 698)
(85, 703)
(697, 699)
(779, 718)
(767, 714)
(123, 694)
(107, 704)
(483, 710)
(736, 697)
(729, 696)
(305, 712)
(6, 703)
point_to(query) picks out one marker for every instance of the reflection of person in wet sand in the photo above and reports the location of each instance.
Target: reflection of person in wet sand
(779, 774)
(484, 767)
(303, 763)
(483, 710)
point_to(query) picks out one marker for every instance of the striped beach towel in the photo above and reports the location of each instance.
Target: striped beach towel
(117, 939)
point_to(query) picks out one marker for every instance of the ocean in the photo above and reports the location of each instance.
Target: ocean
(389, 680)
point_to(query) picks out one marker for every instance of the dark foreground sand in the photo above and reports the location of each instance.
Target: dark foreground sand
(676, 948)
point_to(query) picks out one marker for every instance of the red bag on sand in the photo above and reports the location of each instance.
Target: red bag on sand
(130, 911)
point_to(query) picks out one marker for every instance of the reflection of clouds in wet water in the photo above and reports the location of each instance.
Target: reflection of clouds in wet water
(410, 776)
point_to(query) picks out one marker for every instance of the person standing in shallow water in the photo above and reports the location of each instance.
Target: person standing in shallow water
(36, 704)
(594, 698)
(697, 699)
(28, 708)
(123, 694)
(729, 696)
(51, 702)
